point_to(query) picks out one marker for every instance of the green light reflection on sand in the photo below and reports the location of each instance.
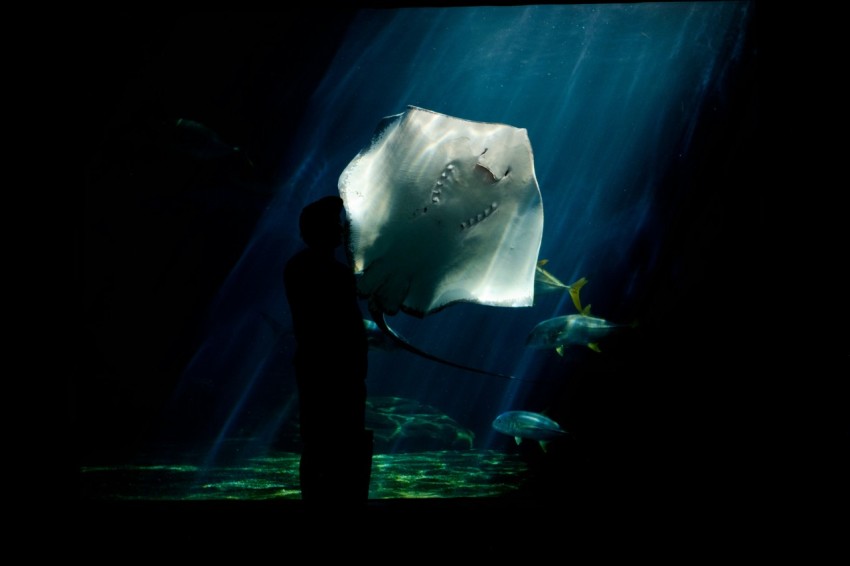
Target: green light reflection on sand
(435, 474)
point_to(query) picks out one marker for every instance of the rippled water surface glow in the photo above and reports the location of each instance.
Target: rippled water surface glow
(639, 116)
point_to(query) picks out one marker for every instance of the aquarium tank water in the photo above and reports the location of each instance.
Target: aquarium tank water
(640, 119)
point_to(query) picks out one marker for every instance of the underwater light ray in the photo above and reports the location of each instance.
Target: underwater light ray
(232, 417)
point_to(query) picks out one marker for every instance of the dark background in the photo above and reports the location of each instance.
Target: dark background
(161, 229)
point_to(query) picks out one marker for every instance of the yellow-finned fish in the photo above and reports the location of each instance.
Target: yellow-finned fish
(571, 330)
(545, 282)
(528, 425)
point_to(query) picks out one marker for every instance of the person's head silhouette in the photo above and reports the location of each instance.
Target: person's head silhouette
(320, 223)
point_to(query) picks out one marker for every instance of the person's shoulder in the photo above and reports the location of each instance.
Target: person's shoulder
(297, 261)
(300, 255)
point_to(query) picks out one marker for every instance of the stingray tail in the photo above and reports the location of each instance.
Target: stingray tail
(381, 321)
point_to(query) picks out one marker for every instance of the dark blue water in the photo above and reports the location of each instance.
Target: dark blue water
(614, 98)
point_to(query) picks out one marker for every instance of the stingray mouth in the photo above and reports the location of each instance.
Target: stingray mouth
(485, 172)
(479, 217)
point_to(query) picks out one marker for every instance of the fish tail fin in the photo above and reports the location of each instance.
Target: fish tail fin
(544, 444)
(594, 346)
(575, 289)
(518, 440)
(560, 350)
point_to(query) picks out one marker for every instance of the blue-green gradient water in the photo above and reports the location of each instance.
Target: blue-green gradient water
(613, 97)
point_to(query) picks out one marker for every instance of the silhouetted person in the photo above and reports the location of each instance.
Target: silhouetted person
(330, 361)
